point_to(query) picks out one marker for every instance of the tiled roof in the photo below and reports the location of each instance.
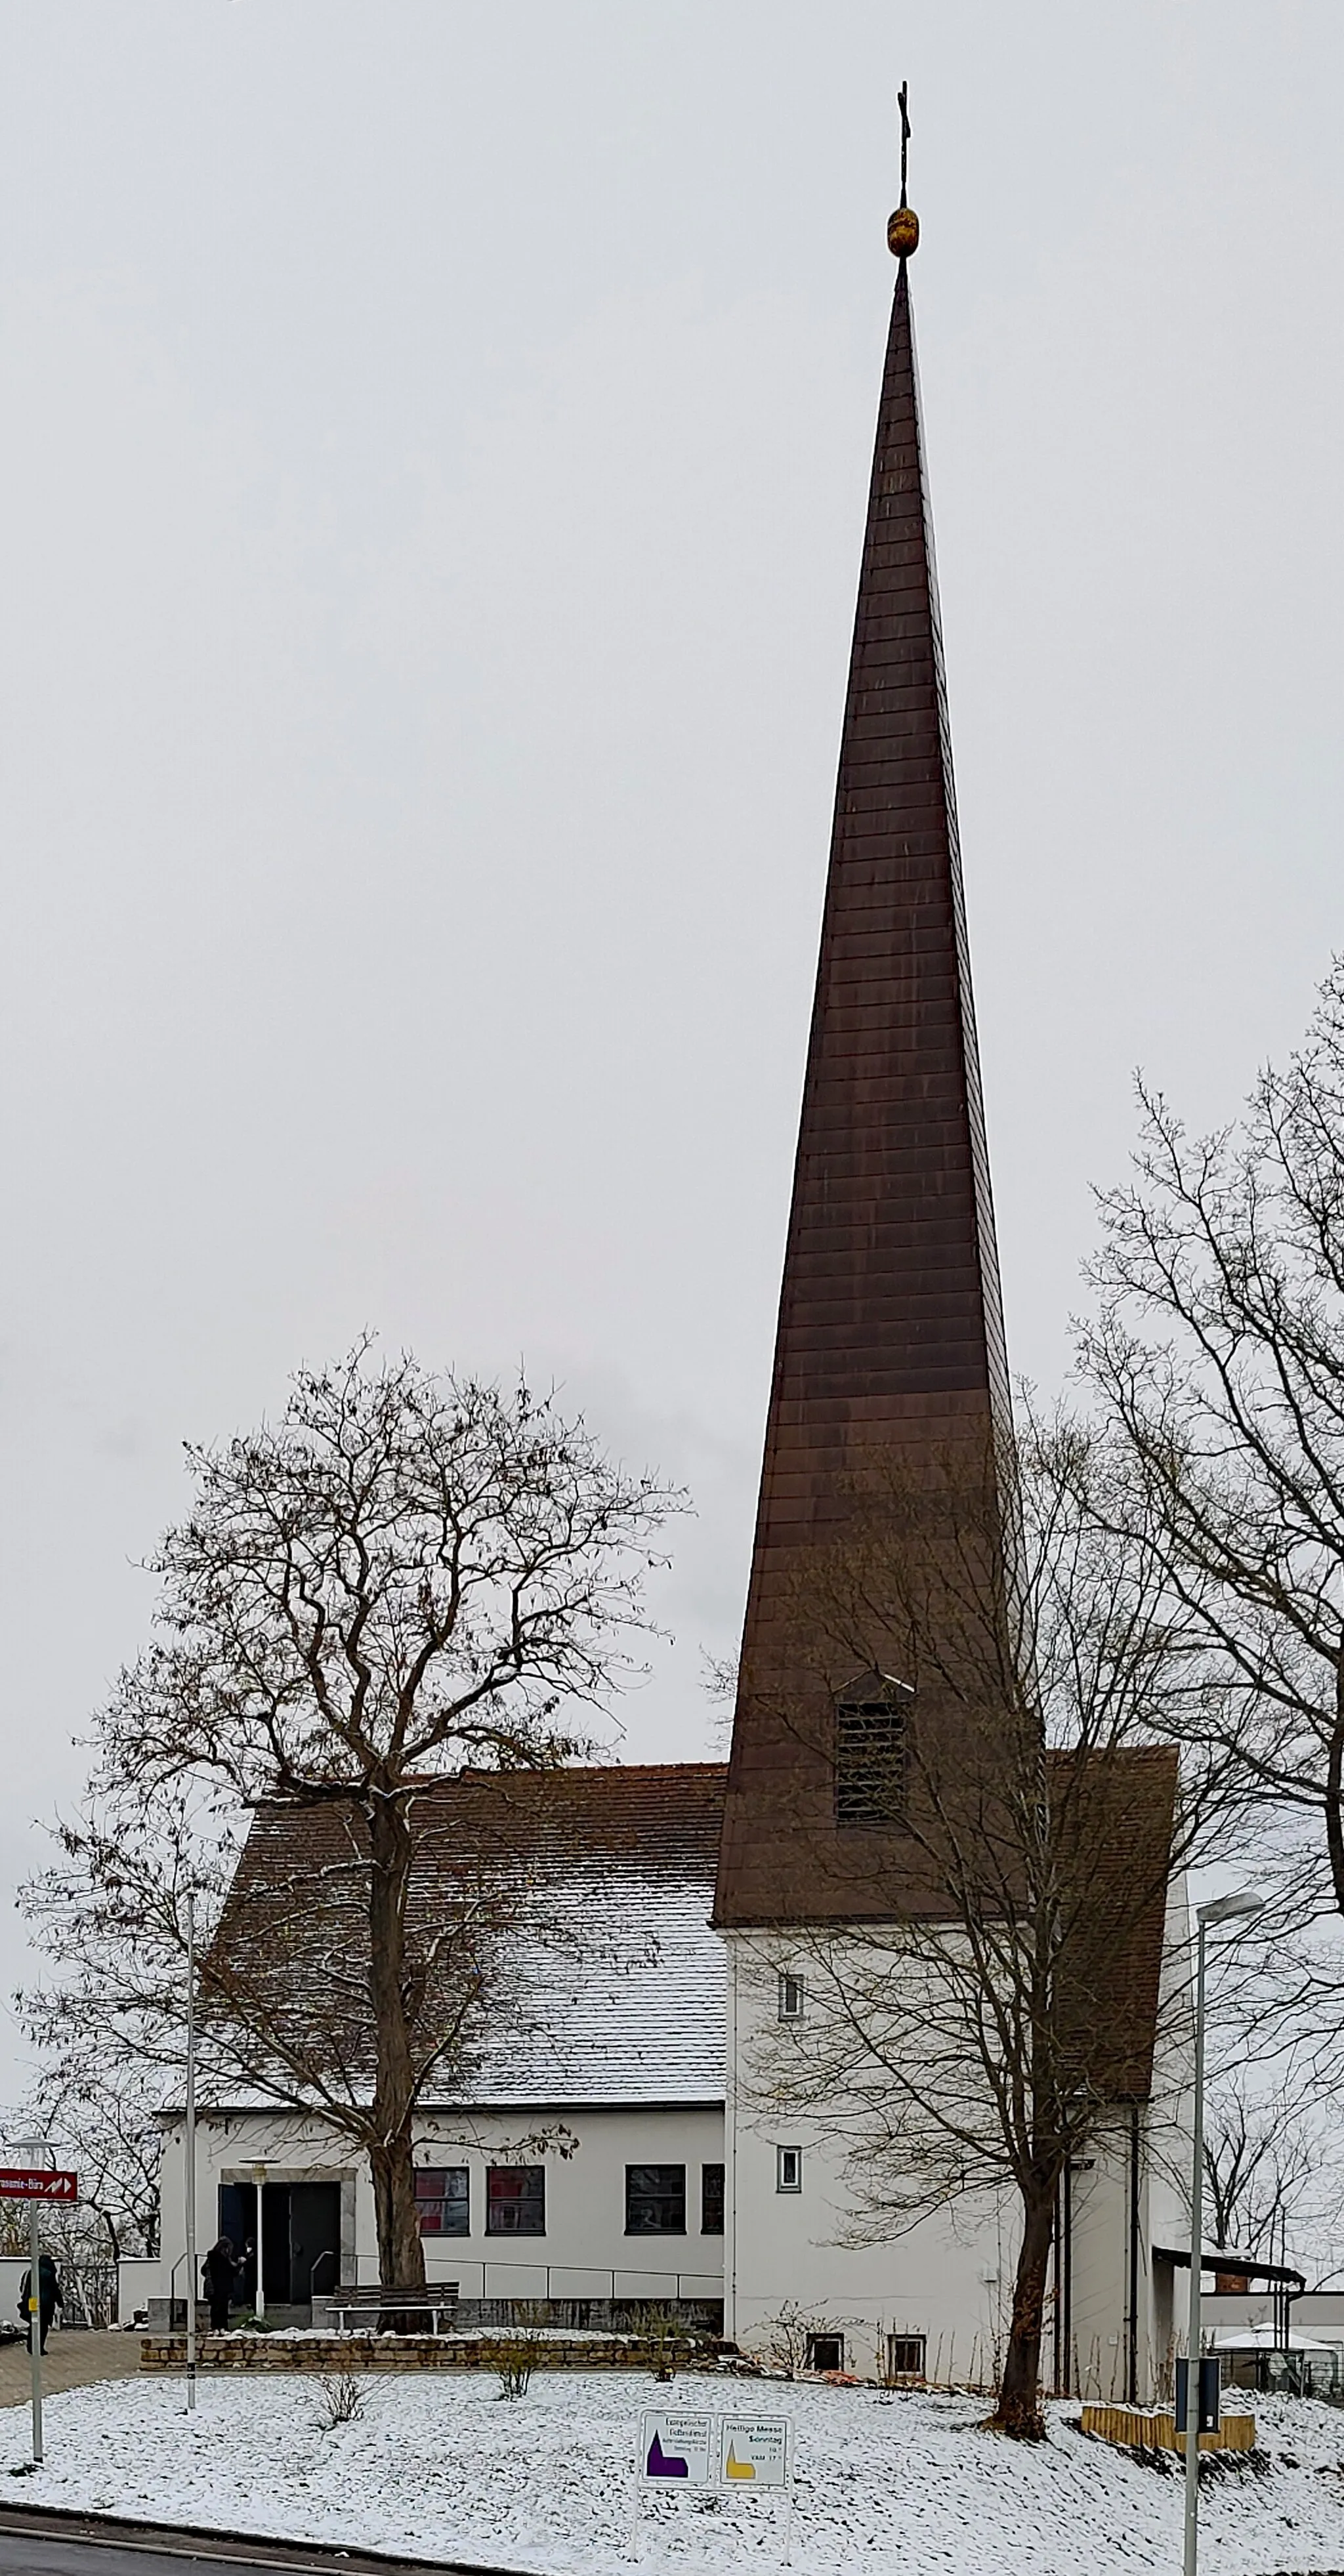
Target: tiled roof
(607, 1984)
(630, 2010)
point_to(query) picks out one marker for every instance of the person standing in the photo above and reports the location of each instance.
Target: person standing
(219, 2272)
(49, 2299)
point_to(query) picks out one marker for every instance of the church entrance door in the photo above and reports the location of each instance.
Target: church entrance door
(300, 2241)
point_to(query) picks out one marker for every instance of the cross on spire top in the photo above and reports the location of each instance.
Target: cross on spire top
(903, 229)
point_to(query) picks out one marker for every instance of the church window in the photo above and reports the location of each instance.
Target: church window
(655, 2200)
(825, 2352)
(711, 2200)
(905, 2356)
(870, 1752)
(788, 2169)
(790, 1996)
(443, 2200)
(515, 2200)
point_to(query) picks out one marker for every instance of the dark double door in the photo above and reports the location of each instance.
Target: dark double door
(300, 2239)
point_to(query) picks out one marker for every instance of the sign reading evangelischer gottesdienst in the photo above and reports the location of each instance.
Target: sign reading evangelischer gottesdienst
(679, 2447)
(734, 2451)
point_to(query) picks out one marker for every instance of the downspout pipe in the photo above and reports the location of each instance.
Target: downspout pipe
(1132, 2351)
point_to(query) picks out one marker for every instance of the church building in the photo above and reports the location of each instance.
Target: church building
(659, 2169)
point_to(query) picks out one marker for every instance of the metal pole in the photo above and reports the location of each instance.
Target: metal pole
(191, 2155)
(1193, 2336)
(259, 2289)
(35, 2325)
(1132, 2356)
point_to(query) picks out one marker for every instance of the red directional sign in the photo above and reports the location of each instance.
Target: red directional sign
(25, 2182)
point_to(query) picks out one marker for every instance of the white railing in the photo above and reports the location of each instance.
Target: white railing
(553, 2281)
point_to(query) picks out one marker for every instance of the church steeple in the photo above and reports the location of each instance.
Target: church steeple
(890, 1325)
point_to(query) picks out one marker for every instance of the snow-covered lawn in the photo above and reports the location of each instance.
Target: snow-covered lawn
(441, 2467)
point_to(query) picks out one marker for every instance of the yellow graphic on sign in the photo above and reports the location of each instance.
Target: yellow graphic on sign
(735, 2468)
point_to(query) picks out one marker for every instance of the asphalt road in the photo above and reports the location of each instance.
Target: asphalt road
(41, 2544)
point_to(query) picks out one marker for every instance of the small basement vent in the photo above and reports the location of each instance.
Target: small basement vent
(871, 1752)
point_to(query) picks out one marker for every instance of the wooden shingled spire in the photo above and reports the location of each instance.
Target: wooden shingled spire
(890, 1326)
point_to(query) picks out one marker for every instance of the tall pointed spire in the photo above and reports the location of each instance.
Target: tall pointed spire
(890, 1325)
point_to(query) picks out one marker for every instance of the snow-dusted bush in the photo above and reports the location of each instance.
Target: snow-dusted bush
(341, 2397)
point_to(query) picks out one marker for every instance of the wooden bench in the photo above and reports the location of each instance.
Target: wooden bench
(372, 2305)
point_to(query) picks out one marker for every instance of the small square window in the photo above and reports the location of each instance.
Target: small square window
(905, 2356)
(790, 1996)
(655, 2200)
(825, 2352)
(788, 2169)
(443, 2200)
(515, 2200)
(711, 2200)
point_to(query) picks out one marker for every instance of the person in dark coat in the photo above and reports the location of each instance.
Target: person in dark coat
(49, 2299)
(219, 2272)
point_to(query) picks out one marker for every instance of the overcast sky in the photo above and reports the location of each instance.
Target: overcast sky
(435, 441)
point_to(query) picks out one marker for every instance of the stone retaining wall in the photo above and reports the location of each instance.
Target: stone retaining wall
(333, 2353)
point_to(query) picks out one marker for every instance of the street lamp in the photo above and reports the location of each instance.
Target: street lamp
(36, 2149)
(189, 2142)
(1223, 1909)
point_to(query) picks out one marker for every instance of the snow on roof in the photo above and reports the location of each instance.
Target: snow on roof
(607, 1987)
(628, 2004)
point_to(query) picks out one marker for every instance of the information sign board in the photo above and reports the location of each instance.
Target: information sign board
(36, 2182)
(679, 2447)
(754, 2450)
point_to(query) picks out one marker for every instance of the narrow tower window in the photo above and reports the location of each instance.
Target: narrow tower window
(790, 1996)
(871, 1751)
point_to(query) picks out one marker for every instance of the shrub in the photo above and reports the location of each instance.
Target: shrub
(517, 2346)
(340, 2399)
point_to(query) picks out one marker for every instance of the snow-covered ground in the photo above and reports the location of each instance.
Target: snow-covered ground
(442, 2467)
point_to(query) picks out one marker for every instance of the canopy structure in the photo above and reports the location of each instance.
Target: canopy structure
(1229, 2258)
(1234, 2260)
(1266, 2338)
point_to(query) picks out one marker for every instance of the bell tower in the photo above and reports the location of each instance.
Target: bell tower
(890, 1333)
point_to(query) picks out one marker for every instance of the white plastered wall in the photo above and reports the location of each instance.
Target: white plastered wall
(585, 2252)
(949, 2278)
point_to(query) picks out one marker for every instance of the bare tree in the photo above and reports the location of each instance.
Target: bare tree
(1219, 1355)
(98, 2111)
(1264, 2168)
(405, 1580)
(1000, 2005)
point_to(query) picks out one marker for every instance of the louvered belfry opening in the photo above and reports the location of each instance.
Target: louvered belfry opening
(890, 1345)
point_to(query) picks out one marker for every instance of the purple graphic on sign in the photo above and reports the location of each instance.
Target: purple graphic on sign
(664, 2464)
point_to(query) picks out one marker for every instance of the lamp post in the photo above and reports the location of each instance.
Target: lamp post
(190, 2146)
(37, 2149)
(1223, 1909)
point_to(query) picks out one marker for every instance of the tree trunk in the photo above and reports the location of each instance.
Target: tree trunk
(1019, 2408)
(1334, 1790)
(401, 2252)
(401, 2248)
